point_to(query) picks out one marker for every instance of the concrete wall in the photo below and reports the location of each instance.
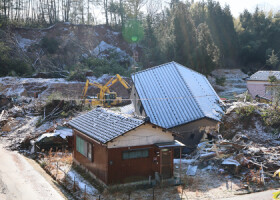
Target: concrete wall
(146, 134)
(258, 88)
(136, 102)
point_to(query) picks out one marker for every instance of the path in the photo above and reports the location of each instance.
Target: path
(20, 181)
(266, 195)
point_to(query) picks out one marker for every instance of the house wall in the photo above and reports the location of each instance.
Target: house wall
(144, 135)
(108, 164)
(124, 171)
(136, 102)
(99, 166)
(191, 133)
(258, 88)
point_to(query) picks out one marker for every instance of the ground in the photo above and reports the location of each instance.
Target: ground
(23, 178)
(29, 184)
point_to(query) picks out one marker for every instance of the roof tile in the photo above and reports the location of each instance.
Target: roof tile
(173, 95)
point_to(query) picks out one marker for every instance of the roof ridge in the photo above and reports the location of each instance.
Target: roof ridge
(199, 106)
(189, 68)
(151, 68)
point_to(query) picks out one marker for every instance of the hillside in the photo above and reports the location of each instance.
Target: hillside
(65, 47)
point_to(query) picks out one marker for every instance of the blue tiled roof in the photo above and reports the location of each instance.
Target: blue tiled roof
(103, 125)
(173, 95)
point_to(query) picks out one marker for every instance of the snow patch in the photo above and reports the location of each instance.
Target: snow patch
(128, 109)
(103, 46)
(65, 132)
(24, 43)
(81, 182)
(183, 161)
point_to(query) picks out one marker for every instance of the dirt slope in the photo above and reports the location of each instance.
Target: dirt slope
(74, 43)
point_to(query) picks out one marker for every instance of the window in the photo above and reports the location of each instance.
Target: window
(143, 153)
(84, 147)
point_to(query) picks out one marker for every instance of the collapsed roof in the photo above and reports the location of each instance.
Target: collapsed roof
(103, 125)
(172, 95)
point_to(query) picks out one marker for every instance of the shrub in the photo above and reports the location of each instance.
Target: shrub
(77, 75)
(271, 117)
(50, 44)
(220, 81)
(246, 111)
(11, 65)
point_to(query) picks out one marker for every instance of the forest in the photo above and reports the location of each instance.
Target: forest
(201, 35)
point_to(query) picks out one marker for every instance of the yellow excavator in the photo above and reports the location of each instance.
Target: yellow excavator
(105, 97)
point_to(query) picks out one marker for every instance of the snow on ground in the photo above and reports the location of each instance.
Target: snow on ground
(183, 161)
(64, 132)
(82, 182)
(13, 86)
(24, 43)
(128, 109)
(17, 91)
(235, 82)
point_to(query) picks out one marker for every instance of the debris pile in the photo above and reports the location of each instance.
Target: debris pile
(24, 119)
(244, 150)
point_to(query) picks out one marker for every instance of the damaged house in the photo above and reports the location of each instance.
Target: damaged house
(260, 86)
(178, 99)
(118, 149)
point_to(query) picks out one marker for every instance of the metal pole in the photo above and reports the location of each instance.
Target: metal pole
(85, 194)
(180, 163)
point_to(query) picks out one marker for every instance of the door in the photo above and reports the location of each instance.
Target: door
(166, 163)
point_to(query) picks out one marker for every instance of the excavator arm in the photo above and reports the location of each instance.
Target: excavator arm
(105, 88)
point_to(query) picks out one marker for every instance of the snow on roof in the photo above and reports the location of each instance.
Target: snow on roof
(173, 95)
(264, 75)
(103, 125)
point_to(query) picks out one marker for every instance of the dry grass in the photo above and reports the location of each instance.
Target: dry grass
(56, 163)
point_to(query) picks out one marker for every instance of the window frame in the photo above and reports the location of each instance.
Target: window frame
(130, 153)
(84, 147)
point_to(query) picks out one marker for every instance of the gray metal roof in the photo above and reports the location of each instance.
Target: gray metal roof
(263, 75)
(173, 95)
(103, 125)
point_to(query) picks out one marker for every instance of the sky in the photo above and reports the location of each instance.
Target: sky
(238, 6)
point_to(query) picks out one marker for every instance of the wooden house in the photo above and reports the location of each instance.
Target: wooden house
(118, 149)
(177, 98)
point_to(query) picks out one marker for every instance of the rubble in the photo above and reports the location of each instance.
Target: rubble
(244, 152)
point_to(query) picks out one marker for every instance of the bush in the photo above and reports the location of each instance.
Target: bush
(221, 81)
(246, 111)
(50, 44)
(11, 65)
(271, 117)
(77, 75)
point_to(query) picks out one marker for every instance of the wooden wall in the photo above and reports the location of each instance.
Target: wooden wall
(99, 166)
(109, 166)
(124, 171)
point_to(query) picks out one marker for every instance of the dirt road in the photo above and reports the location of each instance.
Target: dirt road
(266, 195)
(20, 181)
